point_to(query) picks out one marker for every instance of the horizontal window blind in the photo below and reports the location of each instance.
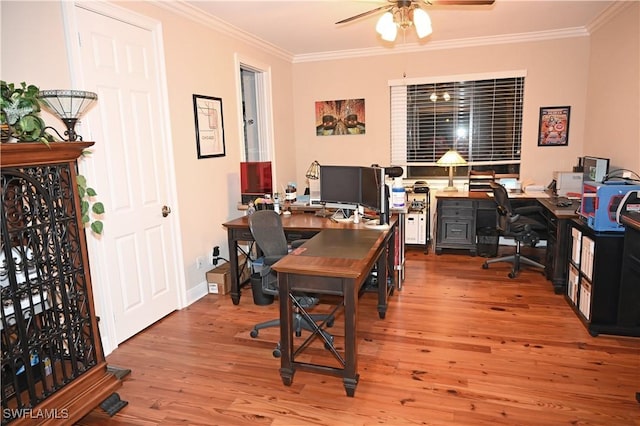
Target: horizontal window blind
(481, 119)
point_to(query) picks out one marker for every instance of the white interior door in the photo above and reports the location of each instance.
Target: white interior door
(131, 163)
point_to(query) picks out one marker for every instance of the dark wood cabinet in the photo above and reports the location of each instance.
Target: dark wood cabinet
(456, 224)
(53, 365)
(629, 299)
(594, 272)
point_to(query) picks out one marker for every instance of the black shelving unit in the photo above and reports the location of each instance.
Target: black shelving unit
(595, 264)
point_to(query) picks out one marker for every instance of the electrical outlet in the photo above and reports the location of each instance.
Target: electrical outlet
(199, 262)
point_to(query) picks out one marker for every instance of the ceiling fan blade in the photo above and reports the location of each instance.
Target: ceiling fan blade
(361, 15)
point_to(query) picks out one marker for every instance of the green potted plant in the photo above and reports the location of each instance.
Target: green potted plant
(20, 113)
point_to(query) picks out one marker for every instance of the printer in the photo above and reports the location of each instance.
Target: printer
(568, 182)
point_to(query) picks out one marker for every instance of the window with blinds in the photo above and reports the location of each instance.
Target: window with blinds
(481, 119)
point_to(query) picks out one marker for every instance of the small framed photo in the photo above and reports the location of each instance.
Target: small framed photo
(553, 129)
(209, 126)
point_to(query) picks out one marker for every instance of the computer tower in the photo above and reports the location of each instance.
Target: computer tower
(416, 221)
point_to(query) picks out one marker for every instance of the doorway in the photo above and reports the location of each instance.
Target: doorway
(135, 263)
(255, 101)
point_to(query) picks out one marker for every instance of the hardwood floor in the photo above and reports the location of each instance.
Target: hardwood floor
(459, 346)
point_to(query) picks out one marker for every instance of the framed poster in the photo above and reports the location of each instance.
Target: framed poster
(553, 129)
(209, 126)
(341, 117)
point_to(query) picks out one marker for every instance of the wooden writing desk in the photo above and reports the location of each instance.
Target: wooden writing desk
(302, 226)
(461, 214)
(336, 262)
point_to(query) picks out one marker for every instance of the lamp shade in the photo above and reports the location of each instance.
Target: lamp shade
(386, 27)
(451, 158)
(422, 22)
(68, 106)
(313, 172)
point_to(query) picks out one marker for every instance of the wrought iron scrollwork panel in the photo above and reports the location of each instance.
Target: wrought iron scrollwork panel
(47, 337)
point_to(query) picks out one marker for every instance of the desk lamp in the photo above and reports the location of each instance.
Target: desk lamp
(451, 159)
(313, 174)
(68, 106)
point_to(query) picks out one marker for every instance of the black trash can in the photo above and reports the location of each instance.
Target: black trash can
(259, 298)
(488, 240)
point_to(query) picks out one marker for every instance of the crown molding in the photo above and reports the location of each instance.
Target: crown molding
(448, 44)
(608, 14)
(224, 27)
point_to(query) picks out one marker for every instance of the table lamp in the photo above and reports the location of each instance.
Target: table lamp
(68, 106)
(451, 159)
(313, 172)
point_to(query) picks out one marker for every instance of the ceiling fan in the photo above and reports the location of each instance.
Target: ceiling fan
(405, 13)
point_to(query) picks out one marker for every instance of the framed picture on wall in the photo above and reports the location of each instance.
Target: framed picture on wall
(553, 129)
(209, 126)
(340, 117)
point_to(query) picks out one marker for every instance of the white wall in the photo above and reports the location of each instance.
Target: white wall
(613, 101)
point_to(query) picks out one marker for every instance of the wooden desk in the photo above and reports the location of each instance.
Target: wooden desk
(558, 241)
(336, 262)
(302, 226)
(460, 214)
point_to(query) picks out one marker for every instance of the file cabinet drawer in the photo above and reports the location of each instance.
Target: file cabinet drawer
(453, 212)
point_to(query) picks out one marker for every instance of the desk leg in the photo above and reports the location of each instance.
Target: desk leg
(383, 276)
(350, 376)
(233, 264)
(286, 330)
(386, 273)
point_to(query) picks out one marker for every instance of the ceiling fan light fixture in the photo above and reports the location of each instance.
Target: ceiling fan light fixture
(422, 22)
(386, 27)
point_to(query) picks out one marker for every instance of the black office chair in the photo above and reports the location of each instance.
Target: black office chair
(516, 224)
(268, 233)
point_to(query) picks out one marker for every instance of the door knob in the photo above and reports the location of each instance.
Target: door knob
(165, 211)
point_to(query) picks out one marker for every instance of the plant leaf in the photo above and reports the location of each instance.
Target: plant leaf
(82, 181)
(97, 227)
(84, 207)
(98, 208)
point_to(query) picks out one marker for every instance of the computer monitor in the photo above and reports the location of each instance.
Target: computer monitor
(340, 186)
(374, 193)
(595, 168)
(255, 180)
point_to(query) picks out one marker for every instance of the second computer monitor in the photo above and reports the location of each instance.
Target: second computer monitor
(340, 186)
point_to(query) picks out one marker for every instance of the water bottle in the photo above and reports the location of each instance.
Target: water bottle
(397, 193)
(276, 203)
